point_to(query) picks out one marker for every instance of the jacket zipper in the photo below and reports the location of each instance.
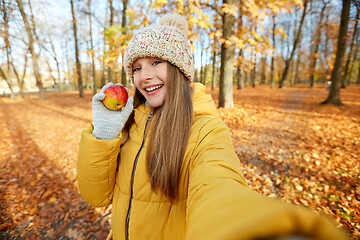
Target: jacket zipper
(132, 178)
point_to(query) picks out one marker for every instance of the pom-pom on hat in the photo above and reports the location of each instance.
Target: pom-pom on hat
(167, 40)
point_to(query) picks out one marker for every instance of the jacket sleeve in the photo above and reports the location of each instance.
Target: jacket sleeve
(96, 168)
(221, 206)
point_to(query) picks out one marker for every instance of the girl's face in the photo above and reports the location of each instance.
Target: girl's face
(150, 77)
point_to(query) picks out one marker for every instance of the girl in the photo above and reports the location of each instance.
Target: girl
(166, 161)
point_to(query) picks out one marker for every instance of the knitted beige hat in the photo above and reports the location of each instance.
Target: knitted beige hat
(166, 40)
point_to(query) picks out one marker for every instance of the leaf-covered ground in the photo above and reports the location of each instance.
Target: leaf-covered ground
(290, 147)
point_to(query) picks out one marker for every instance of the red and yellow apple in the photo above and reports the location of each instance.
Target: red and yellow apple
(115, 97)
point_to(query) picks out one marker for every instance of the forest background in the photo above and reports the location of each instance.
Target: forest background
(254, 56)
(58, 45)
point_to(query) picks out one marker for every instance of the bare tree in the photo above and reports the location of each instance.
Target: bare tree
(240, 81)
(273, 52)
(298, 61)
(110, 72)
(326, 49)
(104, 47)
(78, 64)
(213, 81)
(19, 79)
(297, 38)
(253, 70)
(92, 50)
(123, 31)
(334, 94)
(317, 39)
(34, 56)
(55, 57)
(3, 75)
(353, 38)
(5, 16)
(358, 77)
(263, 70)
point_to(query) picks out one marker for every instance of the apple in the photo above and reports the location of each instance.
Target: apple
(115, 97)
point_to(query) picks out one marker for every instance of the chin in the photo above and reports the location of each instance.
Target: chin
(154, 105)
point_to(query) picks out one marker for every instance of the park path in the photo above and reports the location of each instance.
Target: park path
(39, 194)
(276, 140)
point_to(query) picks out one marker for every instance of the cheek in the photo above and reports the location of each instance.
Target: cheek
(136, 83)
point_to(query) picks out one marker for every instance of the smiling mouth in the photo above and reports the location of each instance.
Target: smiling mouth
(150, 89)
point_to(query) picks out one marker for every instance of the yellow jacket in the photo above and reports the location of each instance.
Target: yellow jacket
(215, 201)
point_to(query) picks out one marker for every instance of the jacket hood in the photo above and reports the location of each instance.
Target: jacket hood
(203, 102)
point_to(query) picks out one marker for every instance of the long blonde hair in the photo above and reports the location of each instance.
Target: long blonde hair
(170, 130)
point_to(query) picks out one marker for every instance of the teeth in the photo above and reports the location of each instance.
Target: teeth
(153, 88)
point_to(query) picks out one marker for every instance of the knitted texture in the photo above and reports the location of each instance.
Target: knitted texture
(108, 123)
(166, 40)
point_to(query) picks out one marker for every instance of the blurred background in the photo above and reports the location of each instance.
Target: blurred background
(58, 45)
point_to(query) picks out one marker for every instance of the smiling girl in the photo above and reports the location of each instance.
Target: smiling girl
(166, 161)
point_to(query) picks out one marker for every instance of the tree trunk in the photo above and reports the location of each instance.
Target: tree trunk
(296, 78)
(358, 77)
(253, 71)
(205, 71)
(246, 78)
(213, 82)
(34, 55)
(54, 55)
(50, 72)
(78, 65)
(263, 70)
(355, 56)
(196, 75)
(274, 52)
(10, 61)
(201, 63)
(288, 61)
(5, 15)
(240, 80)
(110, 64)
(325, 66)
(345, 76)
(92, 51)
(123, 27)
(66, 50)
(334, 95)
(3, 75)
(227, 59)
(20, 80)
(317, 39)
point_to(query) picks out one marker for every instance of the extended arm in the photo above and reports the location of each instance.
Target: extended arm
(221, 206)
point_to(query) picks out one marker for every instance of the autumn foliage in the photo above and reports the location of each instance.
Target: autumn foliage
(289, 146)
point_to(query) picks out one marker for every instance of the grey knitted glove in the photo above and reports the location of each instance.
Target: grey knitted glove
(108, 123)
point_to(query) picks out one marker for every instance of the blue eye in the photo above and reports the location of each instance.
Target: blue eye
(136, 69)
(157, 62)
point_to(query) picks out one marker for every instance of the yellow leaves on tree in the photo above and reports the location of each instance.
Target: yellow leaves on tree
(229, 8)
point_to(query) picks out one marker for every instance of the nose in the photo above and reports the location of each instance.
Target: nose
(147, 72)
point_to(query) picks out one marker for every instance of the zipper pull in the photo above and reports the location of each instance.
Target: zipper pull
(150, 115)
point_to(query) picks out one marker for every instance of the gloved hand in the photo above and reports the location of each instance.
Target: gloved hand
(108, 123)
